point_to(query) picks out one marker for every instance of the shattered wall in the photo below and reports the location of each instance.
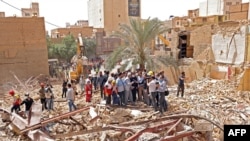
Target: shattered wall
(200, 39)
(230, 48)
(23, 48)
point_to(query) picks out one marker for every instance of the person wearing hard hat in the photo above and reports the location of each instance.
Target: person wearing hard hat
(16, 103)
(12, 92)
(151, 73)
(42, 92)
(28, 101)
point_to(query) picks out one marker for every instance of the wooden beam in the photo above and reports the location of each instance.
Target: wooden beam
(150, 129)
(179, 136)
(65, 115)
(169, 130)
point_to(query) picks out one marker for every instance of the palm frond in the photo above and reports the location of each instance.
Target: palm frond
(138, 36)
(113, 58)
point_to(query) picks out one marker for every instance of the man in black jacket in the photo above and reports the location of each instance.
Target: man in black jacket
(28, 101)
(101, 81)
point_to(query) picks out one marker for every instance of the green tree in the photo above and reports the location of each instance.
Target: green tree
(90, 47)
(50, 48)
(138, 37)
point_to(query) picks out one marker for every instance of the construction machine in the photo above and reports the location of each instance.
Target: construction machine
(165, 41)
(80, 60)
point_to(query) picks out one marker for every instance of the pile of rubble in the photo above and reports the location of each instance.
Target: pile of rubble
(200, 115)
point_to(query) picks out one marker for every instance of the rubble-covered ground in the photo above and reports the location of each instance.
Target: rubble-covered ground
(215, 100)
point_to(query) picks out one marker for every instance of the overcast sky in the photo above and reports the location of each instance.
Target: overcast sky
(59, 12)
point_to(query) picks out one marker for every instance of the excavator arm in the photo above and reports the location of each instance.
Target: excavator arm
(79, 70)
(165, 41)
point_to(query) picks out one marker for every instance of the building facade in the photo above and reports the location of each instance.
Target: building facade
(23, 48)
(2, 14)
(216, 7)
(106, 45)
(238, 12)
(109, 14)
(32, 11)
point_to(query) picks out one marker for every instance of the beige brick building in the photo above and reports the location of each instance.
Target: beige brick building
(32, 11)
(62, 32)
(109, 14)
(2, 14)
(238, 12)
(23, 48)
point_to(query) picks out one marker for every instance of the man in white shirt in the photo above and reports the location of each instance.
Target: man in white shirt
(152, 91)
(127, 83)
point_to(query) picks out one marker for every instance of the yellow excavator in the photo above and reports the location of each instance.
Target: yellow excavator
(80, 60)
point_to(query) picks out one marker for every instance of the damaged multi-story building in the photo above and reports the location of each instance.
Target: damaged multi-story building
(213, 43)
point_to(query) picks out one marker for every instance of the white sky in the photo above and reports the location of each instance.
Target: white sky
(59, 12)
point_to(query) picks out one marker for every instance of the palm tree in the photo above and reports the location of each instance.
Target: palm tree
(137, 37)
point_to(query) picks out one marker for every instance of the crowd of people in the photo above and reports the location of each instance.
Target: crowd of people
(128, 88)
(120, 88)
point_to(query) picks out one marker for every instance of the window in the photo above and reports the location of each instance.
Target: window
(204, 19)
(220, 18)
(177, 23)
(119, 15)
(228, 3)
(27, 14)
(237, 3)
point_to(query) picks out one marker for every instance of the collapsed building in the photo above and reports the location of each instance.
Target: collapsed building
(218, 51)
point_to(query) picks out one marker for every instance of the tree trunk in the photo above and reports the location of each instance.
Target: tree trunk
(141, 67)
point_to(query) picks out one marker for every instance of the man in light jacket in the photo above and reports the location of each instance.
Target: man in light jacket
(161, 91)
(121, 89)
(127, 83)
(152, 91)
(70, 96)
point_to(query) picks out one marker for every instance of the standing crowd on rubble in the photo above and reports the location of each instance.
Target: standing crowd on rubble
(124, 88)
(120, 88)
